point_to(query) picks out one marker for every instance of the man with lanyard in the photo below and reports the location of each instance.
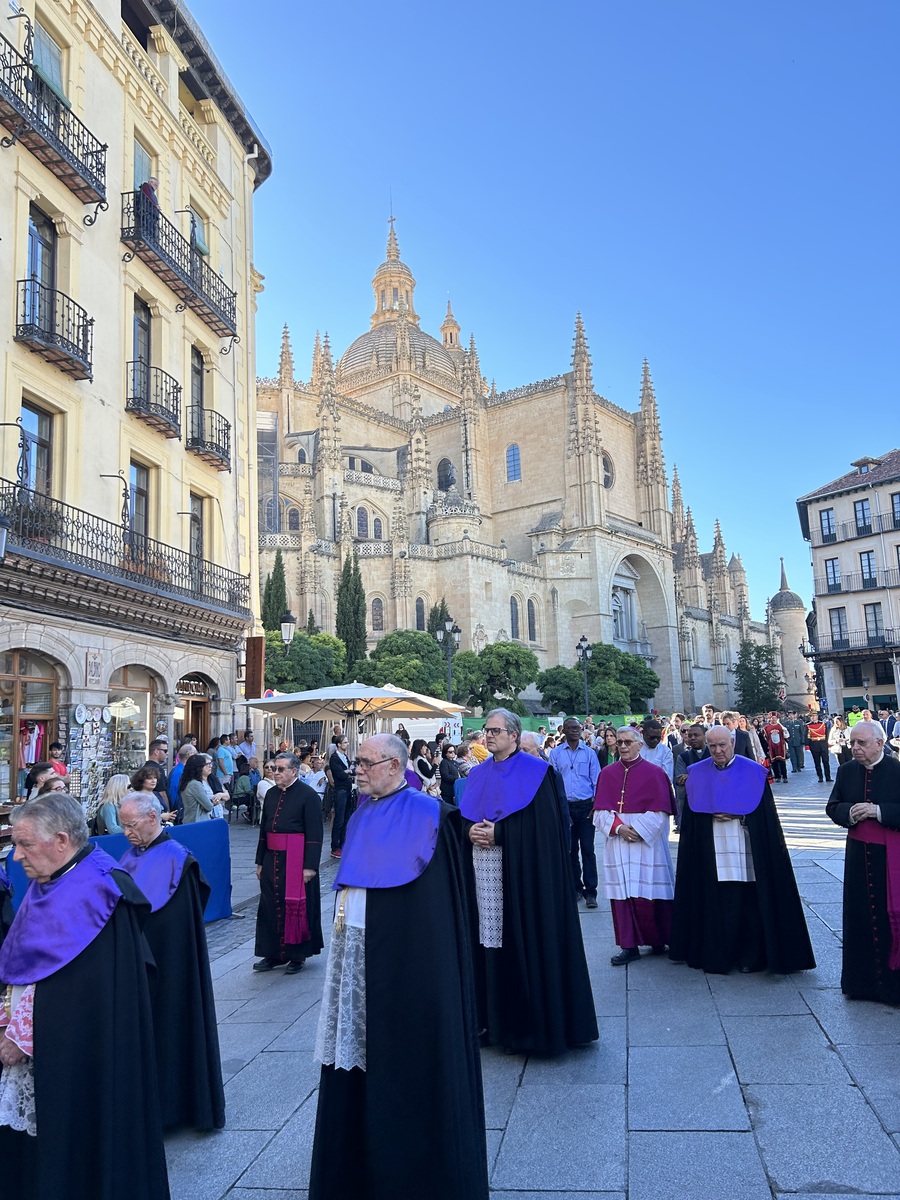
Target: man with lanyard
(289, 920)
(817, 740)
(579, 769)
(188, 1064)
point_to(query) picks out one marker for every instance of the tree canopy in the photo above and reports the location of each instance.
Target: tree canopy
(350, 623)
(308, 662)
(757, 678)
(508, 669)
(274, 597)
(408, 659)
(618, 682)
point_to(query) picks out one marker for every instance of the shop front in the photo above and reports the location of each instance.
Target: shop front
(29, 716)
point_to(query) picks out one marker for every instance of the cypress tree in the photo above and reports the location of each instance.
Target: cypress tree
(350, 625)
(274, 603)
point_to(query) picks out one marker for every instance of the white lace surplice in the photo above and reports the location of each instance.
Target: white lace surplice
(734, 858)
(488, 863)
(637, 869)
(17, 1106)
(341, 1035)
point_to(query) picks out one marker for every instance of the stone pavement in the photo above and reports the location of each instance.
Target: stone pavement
(746, 1087)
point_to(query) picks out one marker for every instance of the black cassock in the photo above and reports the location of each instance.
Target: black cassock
(411, 1126)
(534, 992)
(718, 926)
(188, 1064)
(297, 809)
(97, 1105)
(866, 974)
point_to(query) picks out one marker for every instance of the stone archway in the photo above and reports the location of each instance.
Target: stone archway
(646, 623)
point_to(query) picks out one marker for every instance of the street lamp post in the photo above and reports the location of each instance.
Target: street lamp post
(288, 624)
(449, 638)
(584, 650)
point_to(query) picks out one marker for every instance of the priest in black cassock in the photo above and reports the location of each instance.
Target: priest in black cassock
(865, 799)
(534, 990)
(289, 918)
(188, 1065)
(79, 1106)
(736, 898)
(401, 1112)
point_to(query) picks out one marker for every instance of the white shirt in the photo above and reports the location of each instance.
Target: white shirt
(317, 781)
(661, 756)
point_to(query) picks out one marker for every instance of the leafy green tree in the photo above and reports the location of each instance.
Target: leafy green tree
(607, 696)
(437, 616)
(311, 626)
(508, 669)
(274, 604)
(308, 662)
(468, 678)
(562, 689)
(757, 677)
(407, 659)
(350, 625)
(638, 680)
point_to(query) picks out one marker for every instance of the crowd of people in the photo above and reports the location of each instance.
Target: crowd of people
(459, 869)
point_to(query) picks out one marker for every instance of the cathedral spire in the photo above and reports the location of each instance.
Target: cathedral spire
(393, 285)
(581, 357)
(393, 246)
(450, 330)
(286, 360)
(691, 553)
(315, 378)
(784, 582)
(649, 410)
(677, 508)
(475, 366)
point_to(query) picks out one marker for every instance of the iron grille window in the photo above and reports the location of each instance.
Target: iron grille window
(513, 464)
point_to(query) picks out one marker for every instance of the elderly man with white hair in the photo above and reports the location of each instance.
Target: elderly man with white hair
(865, 799)
(188, 1065)
(78, 1024)
(400, 1110)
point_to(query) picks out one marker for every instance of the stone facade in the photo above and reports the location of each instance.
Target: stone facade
(540, 513)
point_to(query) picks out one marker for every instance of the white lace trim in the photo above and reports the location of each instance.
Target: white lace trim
(488, 862)
(341, 1034)
(17, 1107)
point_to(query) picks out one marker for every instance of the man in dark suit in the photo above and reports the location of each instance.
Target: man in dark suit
(693, 751)
(740, 737)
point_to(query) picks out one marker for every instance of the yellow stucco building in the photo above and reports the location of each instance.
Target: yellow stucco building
(127, 501)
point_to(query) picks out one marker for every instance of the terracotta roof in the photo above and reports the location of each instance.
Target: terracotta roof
(888, 468)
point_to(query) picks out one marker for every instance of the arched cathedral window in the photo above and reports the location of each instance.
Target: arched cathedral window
(377, 529)
(513, 464)
(377, 615)
(532, 622)
(514, 618)
(301, 455)
(420, 614)
(293, 519)
(362, 522)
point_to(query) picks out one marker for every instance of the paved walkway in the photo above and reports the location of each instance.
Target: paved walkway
(746, 1087)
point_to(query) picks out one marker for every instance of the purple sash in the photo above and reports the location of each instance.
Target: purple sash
(736, 789)
(58, 920)
(495, 790)
(390, 841)
(157, 870)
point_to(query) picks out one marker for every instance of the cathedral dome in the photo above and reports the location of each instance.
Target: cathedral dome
(381, 343)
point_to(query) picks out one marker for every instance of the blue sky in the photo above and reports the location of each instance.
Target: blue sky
(712, 184)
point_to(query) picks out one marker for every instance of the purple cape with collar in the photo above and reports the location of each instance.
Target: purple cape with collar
(156, 869)
(736, 789)
(495, 790)
(412, 779)
(59, 919)
(390, 841)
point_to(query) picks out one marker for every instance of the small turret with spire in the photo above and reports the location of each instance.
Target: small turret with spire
(286, 361)
(677, 508)
(450, 331)
(393, 283)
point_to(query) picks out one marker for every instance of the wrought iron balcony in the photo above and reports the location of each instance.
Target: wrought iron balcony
(155, 398)
(845, 531)
(55, 533)
(51, 324)
(852, 642)
(170, 255)
(209, 436)
(856, 582)
(38, 118)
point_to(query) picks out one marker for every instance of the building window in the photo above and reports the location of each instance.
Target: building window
(514, 618)
(884, 671)
(140, 346)
(41, 268)
(867, 567)
(197, 380)
(366, 467)
(874, 624)
(446, 475)
(895, 509)
(30, 713)
(272, 522)
(833, 574)
(37, 431)
(838, 620)
(362, 522)
(293, 519)
(383, 301)
(377, 615)
(301, 455)
(513, 464)
(197, 511)
(420, 614)
(532, 622)
(396, 296)
(377, 529)
(608, 474)
(143, 165)
(199, 234)
(826, 523)
(48, 61)
(139, 485)
(852, 673)
(862, 511)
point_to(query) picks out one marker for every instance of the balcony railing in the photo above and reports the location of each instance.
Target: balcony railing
(856, 582)
(36, 117)
(155, 398)
(209, 436)
(845, 531)
(54, 326)
(58, 533)
(170, 255)
(853, 641)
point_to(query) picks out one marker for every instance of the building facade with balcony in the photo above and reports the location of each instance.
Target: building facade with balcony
(853, 527)
(541, 514)
(128, 166)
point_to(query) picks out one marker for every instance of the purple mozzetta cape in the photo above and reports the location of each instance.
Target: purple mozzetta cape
(736, 789)
(412, 779)
(58, 920)
(156, 869)
(637, 787)
(495, 790)
(389, 841)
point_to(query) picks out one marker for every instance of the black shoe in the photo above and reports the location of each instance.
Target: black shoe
(658, 949)
(625, 956)
(267, 964)
(293, 967)
(591, 902)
